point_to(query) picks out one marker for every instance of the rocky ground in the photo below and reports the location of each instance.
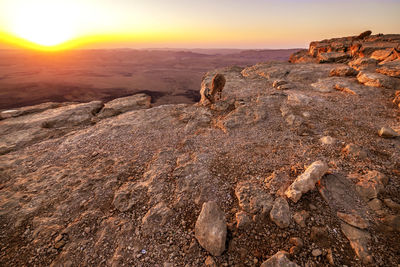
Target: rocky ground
(297, 165)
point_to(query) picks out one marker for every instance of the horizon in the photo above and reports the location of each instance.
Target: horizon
(256, 24)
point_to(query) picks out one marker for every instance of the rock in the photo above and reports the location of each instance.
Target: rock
(301, 217)
(30, 110)
(391, 68)
(210, 229)
(278, 83)
(296, 241)
(302, 56)
(319, 234)
(381, 55)
(344, 89)
(388, 132)
(371, 185)
(351, 150)
(125, 104)
(242, 220)
(343, 71)
(253, 199)
(280, 213)
(375, 204)
(377, 80)
(277, 182)
(368, 190)
(280, 259)
(157, 216)
(364, 64)
(285, 87)
(353, 220)
(306, 181)
(329, 257)
(327, 140)
(316, 252)
(393, 221)
(364, 35)
(337, 57)
(359, 242)
(210, 262)
(391, 204)
(396, 99)
(71, 115)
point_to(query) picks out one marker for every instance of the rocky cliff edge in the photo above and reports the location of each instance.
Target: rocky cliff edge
(297, 165)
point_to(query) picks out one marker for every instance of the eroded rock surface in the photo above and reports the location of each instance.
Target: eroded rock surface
(76, 189)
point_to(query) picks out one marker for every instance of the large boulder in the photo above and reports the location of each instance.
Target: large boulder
(125, 104)
(377, 80)
(391, 68)
(210, 229)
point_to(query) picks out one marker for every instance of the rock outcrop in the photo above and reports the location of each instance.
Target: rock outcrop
(124, 183)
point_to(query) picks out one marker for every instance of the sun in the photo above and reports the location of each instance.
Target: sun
(45, 23)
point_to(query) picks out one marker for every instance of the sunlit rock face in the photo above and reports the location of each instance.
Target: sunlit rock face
(124, 183)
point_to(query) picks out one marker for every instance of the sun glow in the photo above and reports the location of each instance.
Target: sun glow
(46, 23)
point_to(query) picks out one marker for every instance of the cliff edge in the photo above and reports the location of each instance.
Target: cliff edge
(302, 158)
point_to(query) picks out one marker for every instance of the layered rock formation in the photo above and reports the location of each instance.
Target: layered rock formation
(123, 184)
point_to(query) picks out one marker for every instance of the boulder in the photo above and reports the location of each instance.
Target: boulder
(280, 213)
(381, 55)
(156, 217)
(306, 181)
(125, 104)
(352, 150)
(353, 219)
(377, 80)
(253, 199)
(388, 132)
(337, 57)
(210, 229)
(359, 242)
(363, 64)
(391, 68)
(280, 259)
(343, 71)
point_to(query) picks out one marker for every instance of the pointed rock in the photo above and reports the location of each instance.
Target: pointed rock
(210, 229)
(280, 213)
(280, 259)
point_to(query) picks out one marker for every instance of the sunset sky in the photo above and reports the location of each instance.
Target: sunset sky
(190, 24)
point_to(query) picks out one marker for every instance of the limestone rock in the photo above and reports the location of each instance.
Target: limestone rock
(393, 221)
(391, 68)
(242, 220)
(157, 216)
(388, 132)
(316, 252)
(280, 259)
(333, 57)
(359, 242)
(125, 104)
(253, 199)
(375, 204)
(377, 80)
(353, 220)
(280, 213)
(210, 229)
(343, 71)
(327, 140)
(381, 55)
(306, 181)
(363, 64)
(391, 204)
(301, 217)
(352, 150)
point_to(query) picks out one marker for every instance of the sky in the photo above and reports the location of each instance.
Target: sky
(191, 24)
